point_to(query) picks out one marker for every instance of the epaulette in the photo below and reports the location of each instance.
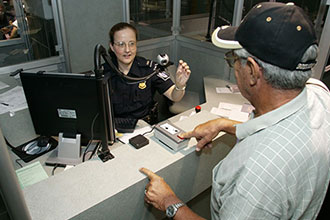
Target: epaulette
(143, 62)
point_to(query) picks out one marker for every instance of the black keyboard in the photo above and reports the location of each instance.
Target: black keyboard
(125, 125)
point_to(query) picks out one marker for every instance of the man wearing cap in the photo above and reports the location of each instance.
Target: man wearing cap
(280, 165)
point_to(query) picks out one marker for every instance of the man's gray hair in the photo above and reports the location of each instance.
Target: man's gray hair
(280, 78)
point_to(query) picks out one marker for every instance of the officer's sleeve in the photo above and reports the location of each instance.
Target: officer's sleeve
(162, 82)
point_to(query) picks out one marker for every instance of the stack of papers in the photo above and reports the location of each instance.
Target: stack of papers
(228, 89)
(232, 111)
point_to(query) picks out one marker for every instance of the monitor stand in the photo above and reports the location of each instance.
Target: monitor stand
(68, 151)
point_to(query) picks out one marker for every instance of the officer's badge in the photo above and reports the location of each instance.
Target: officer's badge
(163, 75)
(142, 85)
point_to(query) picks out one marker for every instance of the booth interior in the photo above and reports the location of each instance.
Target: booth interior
(114, 188)
(97, 184)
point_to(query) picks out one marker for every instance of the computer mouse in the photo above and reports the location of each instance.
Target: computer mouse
(43, 141)
(37, 146)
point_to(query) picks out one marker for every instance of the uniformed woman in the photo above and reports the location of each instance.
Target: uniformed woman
(136, 100)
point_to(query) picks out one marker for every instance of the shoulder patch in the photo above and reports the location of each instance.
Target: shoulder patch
(150, 63)
(142, 62)
(163, 75)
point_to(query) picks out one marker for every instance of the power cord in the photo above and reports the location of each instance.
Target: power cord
(92, 137)
(91, 151)
(153, 127)
(9, 145)
(12, 147)
(18, 162)
(56, 166)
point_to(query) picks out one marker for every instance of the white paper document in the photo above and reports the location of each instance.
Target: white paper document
(184, 117)
(31, 174)
(3, 85)
(228, 89)
(13, 100)
(232, 111)
(229, 106)
(222, 90)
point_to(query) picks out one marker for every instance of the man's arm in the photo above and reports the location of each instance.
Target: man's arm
(159, 194)
(205, 133)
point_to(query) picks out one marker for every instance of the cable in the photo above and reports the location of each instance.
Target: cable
(53, 171)
(120, 141)
(94, 150)
(128, 79)
(18, 162)
(92, 136)
(9, 145)
(101, 51)
(153, 127)
(57, 165)
(12, 147)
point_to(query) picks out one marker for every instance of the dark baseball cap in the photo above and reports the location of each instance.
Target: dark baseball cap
(274, 32)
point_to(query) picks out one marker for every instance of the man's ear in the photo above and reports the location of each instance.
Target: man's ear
(255, 71)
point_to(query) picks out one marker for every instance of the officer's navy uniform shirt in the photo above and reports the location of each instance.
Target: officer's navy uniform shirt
(136, 100)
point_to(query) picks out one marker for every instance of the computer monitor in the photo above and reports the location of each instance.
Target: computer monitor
(72, 106)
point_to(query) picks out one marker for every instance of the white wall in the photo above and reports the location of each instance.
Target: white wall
(85, 24)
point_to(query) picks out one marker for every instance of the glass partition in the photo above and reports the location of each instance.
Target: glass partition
(222, 12)
(27, 32)
(152, 18)
(200, 18)
(195, 7)
(30, 33)
(194, 17)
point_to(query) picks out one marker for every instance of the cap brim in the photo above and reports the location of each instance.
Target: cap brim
(224, 37)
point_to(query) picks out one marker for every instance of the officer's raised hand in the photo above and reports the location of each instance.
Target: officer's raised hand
(182, 75)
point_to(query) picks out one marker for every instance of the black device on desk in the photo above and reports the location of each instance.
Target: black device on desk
(71, 106)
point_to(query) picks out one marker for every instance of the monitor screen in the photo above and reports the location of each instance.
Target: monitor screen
(67, 103)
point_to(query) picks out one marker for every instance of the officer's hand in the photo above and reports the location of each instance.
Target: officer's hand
(182, 74)
(157, 191)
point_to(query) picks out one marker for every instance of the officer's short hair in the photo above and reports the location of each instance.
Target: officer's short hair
(120, 26)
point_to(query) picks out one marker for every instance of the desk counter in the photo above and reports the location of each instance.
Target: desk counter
(115, 189)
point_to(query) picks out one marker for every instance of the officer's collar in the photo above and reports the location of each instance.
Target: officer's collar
(135, 70)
